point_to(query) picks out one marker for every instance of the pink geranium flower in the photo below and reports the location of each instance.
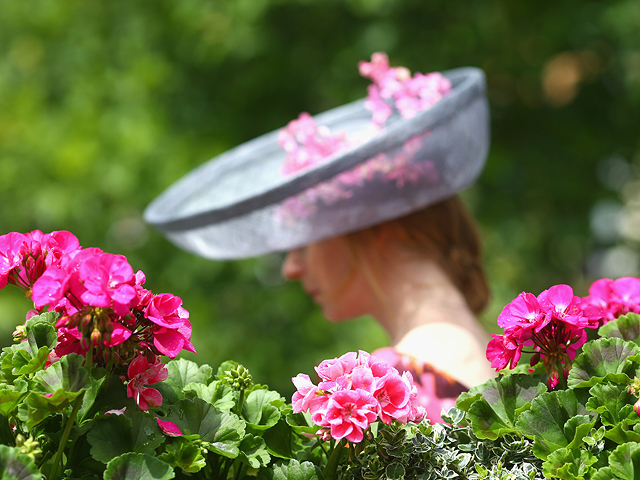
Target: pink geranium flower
(141, 374)
(171, 341)
(612, 298)
(165, 310)
(348, 413)
(169, 428)
(503, 350)
(108, 281)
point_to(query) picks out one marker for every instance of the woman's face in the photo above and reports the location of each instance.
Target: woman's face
(330, 276)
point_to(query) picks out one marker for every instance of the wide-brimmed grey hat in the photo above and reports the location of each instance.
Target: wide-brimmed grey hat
(241, 204)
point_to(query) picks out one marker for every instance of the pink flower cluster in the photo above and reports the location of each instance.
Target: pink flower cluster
(554, 322)
(395, 87)
(356, 390)
(105, 310)
(614, 297)
(307, 144)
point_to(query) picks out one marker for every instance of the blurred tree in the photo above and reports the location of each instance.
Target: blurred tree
(105, 104)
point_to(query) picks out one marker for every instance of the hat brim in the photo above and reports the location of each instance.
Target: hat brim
(233, 205)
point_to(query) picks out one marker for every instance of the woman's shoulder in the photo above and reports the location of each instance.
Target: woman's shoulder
(436, 390)
(450, 348)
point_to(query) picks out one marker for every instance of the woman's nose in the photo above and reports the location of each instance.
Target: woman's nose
(292, 267)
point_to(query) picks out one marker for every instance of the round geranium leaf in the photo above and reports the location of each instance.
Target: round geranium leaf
(624, 461)
(17, 466)
(603, 359)
(626, 327)
(138, 466)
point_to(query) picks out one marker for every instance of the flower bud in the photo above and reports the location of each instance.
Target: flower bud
(96, 337)
(636, 408)
(20, 333)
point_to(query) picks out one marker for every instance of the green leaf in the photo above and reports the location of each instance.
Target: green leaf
(67, 374)
(604, 359)
(46, 317)
(395, 471)
(550, 422)
(184, 454)
(37, 406)
(181, 373)
(569, 464)
(138, 466)
(17, 466)
(259, 411)
(217, 393)
(295, 470)
(9, 397)
(41, 334)
(135, 431)
(626, 327)
(613, 402)
(502, 400)
(624, 461)
(253, 451)
(106, 392)
(221, 432)
(24, 363)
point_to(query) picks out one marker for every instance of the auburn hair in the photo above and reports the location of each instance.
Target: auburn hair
(447, 234)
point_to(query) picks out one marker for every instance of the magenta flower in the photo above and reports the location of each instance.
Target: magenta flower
(612, 298)
(169, 428)
(552, 323)
(141, 374)
(503, 350)
(170, 341)
(348, 413)
(165, 310)
(108, 281)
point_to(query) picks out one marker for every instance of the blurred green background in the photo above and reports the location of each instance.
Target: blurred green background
(105, 104)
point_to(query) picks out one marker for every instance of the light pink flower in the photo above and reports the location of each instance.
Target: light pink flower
(348, 413)
(307, 395)
(393, 393)
(141, 374)
(307, 145)
(336, 367)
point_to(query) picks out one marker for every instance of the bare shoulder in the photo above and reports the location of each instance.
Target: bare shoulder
(450, 348)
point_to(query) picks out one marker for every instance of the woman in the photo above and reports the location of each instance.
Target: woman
(364, 199)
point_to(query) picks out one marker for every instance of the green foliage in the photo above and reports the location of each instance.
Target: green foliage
(441, 451)
(588, 431)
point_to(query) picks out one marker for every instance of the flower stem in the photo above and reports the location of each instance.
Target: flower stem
(65, 436)
(330, 470)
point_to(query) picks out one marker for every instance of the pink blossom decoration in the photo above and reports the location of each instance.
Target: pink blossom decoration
(396, 88)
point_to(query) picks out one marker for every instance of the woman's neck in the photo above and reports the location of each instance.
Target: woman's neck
(419, 295)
